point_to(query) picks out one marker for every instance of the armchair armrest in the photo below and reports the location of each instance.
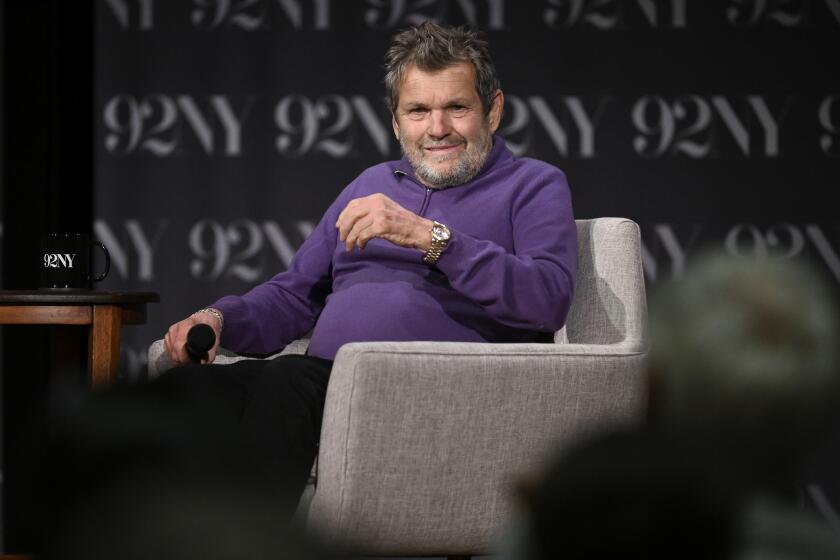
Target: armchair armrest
(458, 421)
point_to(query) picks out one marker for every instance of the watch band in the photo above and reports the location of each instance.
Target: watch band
(432, 255)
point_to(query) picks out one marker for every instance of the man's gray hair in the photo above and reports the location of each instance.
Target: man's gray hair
(432, 47)
(745, 345)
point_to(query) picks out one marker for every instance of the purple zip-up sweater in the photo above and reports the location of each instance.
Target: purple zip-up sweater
(507, 274)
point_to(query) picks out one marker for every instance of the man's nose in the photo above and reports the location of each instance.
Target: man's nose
(440, 124)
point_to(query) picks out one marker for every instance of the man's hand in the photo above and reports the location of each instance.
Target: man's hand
(379, 216)
(176, 338)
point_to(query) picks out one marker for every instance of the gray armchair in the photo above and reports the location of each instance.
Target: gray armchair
(421, 441)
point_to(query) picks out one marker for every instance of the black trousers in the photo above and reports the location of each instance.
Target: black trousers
(276, 405)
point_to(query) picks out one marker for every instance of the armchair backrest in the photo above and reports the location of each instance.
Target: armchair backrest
(609, 305)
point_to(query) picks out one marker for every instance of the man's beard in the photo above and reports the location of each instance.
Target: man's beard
(469, 163)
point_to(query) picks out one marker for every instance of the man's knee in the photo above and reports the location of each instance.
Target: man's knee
(297, 372)
(181, 378)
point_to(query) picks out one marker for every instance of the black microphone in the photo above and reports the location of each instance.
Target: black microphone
(200, 339)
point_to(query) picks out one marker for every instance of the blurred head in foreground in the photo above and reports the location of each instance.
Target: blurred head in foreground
(135, 474)
(633, 494)
(745, 357)
(743, 375)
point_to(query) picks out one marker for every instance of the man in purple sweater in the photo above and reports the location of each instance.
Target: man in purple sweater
(457, 241)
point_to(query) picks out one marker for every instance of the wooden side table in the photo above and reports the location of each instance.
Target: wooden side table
(103, 312)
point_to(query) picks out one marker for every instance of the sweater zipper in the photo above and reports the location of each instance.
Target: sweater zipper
(428, 194)
(425, 205)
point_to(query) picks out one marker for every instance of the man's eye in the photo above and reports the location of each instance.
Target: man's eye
(459, 108)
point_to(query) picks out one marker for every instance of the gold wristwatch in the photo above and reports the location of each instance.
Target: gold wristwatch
(440, 238)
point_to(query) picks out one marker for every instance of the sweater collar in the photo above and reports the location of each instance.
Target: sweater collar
(499, 153)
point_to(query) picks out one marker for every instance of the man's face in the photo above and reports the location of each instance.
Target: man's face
(441, 124)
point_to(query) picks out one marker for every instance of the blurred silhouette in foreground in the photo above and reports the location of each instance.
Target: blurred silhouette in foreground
(742, 380)
(136, 473)
(745, 361)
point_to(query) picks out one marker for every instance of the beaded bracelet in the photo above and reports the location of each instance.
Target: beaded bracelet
(215, 313)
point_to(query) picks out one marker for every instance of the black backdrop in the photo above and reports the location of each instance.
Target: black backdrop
(223, 129)
(209, 135)
(47, 185)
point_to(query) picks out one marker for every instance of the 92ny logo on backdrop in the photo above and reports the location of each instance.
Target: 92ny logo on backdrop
(316, 15)
(156, 124)
(692, 125)
(598, 15)
(347, 126)
(181, 124)
(250, 250)
(243, 249)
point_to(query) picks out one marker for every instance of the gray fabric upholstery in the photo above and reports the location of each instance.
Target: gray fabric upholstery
(609, 306)
(421, 441)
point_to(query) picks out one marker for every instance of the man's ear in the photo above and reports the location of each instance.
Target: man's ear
(495, 116)
(394, 125)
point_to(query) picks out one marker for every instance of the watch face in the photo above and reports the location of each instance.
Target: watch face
(440, 232)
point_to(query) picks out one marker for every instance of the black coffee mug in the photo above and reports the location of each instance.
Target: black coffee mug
(66, 261)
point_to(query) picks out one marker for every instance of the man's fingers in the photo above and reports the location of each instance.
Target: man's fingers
(175, 346)
(348, 217)
(176, 351)
(345, 225)
(358, 209)
(174, 340)
(167, 345)
(183, 356)
(352, 237)
(376, 216)
(366, 235)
